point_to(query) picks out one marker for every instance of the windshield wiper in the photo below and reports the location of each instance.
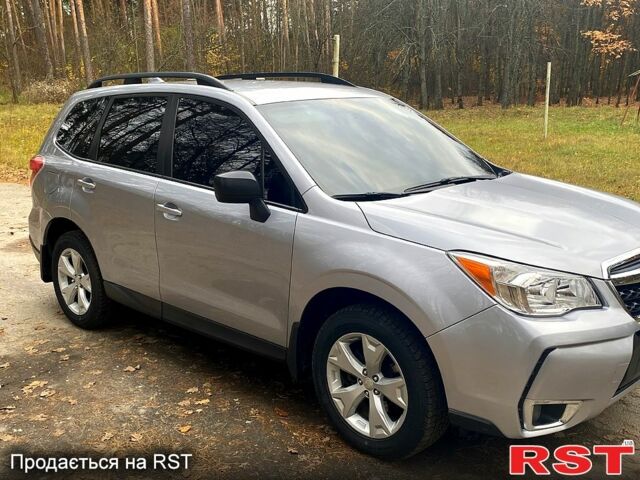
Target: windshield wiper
(368, 196)
(427, 187)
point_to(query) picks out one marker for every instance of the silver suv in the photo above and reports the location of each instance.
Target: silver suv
(341, 231)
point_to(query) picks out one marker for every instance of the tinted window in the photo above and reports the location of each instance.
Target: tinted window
(131, 131)
(76, 133)
(210, 139)
(359, 145)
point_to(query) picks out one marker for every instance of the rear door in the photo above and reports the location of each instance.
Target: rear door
(215, 261)
(113, 199)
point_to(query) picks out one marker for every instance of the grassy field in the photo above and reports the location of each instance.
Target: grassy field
(587, 146)
(22, 128)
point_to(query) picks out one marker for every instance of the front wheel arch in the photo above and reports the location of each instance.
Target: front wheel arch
(317, 311)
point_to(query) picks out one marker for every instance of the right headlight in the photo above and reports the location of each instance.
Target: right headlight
(528, 290)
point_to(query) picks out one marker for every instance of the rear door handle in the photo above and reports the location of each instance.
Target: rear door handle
(87, 184)
(169, 210)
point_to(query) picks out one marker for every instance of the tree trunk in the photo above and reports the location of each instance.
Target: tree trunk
(220, 20)
(16, 77)
(148, 37)
(84, 42)
(421, 35)
(76, 36)
(50, 21)
(285, 34)
(41, 37)
(188, 34)
(123, 13)
(156, 26)
(63, 50)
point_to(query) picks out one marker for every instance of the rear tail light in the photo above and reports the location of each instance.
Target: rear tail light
(35, 165)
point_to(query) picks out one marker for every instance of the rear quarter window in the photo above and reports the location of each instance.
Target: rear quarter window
(77, 131)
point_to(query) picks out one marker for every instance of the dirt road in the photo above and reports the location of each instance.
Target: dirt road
(142, 387)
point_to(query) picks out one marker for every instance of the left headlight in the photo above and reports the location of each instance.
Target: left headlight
(525, 289)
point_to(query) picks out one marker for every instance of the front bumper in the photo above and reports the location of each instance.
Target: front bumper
(499, 366)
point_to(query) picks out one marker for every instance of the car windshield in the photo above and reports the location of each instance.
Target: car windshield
(364, 145)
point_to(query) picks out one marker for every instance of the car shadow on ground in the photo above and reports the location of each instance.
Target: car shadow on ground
(264, 384)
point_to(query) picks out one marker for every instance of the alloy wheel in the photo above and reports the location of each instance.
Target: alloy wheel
(74, 281)
(366, 385)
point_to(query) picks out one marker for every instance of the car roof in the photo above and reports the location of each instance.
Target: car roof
(257, 92)
(261, 92)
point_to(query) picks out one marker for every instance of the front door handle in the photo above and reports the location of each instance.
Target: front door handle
(169, 210)
(87, 184)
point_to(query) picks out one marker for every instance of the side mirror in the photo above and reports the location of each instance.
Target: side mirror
(242, 187)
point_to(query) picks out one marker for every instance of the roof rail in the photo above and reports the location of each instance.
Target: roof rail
(134, 78)
(323, 77)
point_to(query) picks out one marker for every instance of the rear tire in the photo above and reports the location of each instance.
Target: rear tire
(77, 282)
(408, 417)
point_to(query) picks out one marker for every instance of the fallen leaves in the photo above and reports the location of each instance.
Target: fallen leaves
(89, 385)
(184, 429)
(135, 437)
(28, 390)
(204, 401)
(58, 433)
(108, 436)
(184, 403)
(193, 390)
(280, 412)
(6, 437)
(5, 365)
(58, 350)
(64, 358)
(8, 408)
(131, 369)
(292, 451)
(47, 393)
(41, 417)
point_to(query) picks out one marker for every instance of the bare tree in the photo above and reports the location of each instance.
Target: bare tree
(156, 25)
(63, 50)
(41, 36)
(76, 36)
(13, 48)
(220, 20)
(148, 36)
(84, 41)
(188, 34)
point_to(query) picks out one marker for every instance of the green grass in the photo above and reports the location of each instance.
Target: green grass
(586, 146)
(22, 128)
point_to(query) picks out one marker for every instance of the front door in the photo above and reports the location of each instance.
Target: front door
(215, 261)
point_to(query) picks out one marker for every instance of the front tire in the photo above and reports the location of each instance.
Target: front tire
(378, 382)
(78, 283)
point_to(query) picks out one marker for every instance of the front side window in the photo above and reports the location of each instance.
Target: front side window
(361, 145)
(211, 139)
(77, 131)
(131, 131)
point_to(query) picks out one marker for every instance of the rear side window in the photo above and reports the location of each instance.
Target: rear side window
(77, 130)
(130, 134)
(211, 139)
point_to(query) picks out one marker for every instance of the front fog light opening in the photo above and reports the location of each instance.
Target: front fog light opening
(542, 414)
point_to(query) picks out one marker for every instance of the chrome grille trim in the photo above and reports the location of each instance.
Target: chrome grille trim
(623, 280)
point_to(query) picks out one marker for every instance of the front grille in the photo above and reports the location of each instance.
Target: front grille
(626, 267)
(630, 296)
(632, 375)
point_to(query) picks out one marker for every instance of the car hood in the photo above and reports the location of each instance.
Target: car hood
(517, 217)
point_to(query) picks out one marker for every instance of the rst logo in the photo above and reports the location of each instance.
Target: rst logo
(568, 460)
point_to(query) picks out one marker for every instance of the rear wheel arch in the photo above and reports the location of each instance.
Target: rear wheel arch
(318, 310)
(55, 229)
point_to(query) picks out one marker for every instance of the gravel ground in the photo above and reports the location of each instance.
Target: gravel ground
(143, 387)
